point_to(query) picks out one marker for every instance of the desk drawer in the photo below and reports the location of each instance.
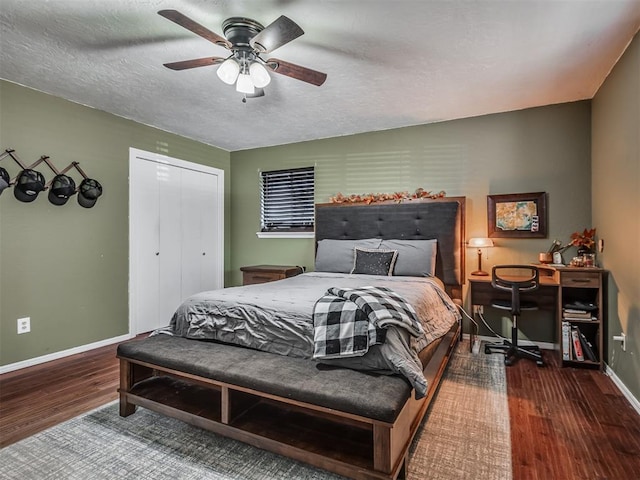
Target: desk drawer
(580, 279)
(251, 278)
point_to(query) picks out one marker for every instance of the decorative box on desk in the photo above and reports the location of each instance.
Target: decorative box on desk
(268, 273)
(582, 316)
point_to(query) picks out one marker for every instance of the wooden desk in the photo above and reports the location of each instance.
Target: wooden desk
(546, 296)
(559, 286)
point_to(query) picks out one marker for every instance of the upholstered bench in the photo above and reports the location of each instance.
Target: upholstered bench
(379, 397)
(356, 424)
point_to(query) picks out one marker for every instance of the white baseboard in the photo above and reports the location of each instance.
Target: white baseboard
(623, 388)
(64, 353)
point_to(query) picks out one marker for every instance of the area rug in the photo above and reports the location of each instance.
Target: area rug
(465, 435)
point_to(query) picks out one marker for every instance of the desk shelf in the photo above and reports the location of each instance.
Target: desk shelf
(582, 289)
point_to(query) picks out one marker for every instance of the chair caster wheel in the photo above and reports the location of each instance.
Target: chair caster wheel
(539, 363)
(487, 351)
(508, 362)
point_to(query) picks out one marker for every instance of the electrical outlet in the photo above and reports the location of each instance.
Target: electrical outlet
(622, 338)
(478, 309)
(24, 325)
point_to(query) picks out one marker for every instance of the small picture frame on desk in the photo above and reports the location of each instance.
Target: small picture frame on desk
(517, 215)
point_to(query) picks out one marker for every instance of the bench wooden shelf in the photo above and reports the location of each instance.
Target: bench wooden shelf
(345, 443)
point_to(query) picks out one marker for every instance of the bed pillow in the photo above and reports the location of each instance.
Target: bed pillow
(370, 261)
(337, 255)
(416, 258)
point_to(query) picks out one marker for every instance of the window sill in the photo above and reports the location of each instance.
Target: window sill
(286, 234)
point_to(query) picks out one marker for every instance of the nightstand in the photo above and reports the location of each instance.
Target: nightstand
(268, 273)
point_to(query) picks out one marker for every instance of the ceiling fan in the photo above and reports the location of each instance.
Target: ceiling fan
(247, 40)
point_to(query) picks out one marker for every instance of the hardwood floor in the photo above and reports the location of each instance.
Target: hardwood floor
(570, 423)
(566, 423)
(35, 398)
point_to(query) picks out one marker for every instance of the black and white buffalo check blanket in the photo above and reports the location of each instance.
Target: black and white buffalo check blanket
(347, 321)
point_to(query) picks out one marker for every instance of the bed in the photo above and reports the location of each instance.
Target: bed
(257, 382)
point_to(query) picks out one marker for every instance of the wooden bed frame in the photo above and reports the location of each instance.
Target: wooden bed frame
(348, 444)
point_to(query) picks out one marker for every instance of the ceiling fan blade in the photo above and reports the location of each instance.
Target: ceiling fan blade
(197, 62)
(186, 22)
(280, 31)
(296, 71)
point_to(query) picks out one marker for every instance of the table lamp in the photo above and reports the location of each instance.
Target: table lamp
(480, 243)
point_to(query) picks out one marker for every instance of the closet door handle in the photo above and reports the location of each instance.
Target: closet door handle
(157, 253)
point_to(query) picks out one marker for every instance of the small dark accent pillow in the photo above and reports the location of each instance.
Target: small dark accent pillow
(374, 261)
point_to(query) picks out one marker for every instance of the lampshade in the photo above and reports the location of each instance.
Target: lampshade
(259, 75)
(228, 71)
(244, 84)
(480, 242)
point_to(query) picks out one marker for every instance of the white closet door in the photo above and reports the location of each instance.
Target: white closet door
(212, 264)
(199, 229)
(176, 235)
(145, 251)
(191, 230)
(170, 258)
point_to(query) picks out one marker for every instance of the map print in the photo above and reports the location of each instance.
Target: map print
(517, 216)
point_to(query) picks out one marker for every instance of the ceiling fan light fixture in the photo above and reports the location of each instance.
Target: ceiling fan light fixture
(244, 84)
(259, 75)
(228, 71)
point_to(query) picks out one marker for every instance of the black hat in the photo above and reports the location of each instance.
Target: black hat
(62, 187)
(89, 192)
(5, 179)
(29, 184)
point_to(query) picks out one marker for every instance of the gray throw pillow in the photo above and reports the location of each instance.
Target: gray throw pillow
(374, 262)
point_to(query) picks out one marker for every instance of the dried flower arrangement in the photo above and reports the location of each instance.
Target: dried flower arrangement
(585, 239)
(382, 197)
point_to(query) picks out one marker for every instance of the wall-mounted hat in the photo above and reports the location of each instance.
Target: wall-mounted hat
(89, 192)
(28, 185)
(5, 179)
(62, 187)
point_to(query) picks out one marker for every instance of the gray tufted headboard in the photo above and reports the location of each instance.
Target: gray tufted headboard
(422, 219)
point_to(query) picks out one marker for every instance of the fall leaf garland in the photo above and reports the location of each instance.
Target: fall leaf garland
(383, 197)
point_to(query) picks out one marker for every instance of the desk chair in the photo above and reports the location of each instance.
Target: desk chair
(510, 278)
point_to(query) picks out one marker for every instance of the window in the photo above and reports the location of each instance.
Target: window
(286, 200)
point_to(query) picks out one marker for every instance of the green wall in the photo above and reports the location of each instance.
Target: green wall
(616, 207)
(67, 267)
(540, 149)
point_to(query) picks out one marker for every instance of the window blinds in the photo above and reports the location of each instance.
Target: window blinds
(287, 200)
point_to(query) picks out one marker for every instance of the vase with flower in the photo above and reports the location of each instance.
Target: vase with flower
(584, 241)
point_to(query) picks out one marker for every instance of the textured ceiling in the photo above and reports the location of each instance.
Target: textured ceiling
(389, 63)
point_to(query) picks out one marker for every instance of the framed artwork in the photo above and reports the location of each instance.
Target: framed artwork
(517, 215)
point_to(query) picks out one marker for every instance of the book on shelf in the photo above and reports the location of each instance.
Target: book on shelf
(587, 347)
(566, 341)
(582, 319)
(577, 346)
(575, 314)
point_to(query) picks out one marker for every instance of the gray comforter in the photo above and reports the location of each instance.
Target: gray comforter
(277, 317)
